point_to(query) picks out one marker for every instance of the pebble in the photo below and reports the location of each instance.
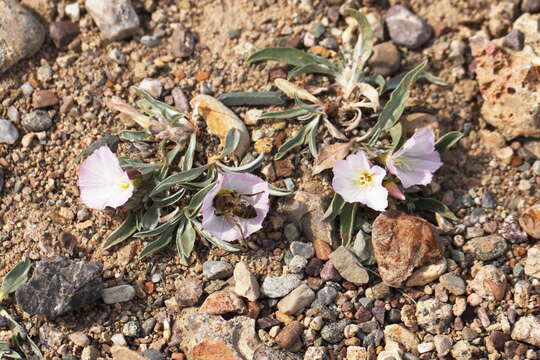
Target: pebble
(152, 86)
(326, 296)
(348, 266)
(490, 281)
(27, 89)
(386, 59)
(453, 283)
(297, 300)
(21, 33)
(116, 19)
(118, 339)
(8, 132)
(44, 98)
(181, 102)
(213, 270)
(279, 286)
(427, 273)
(514, 40)
(90, 353)
(188, 291)
(486, 248)
(401, 335)
(433, 315)
(378, 291)
(530, 6)
(316, 353)
(63, 32)
(302, 249)
(245, 283)
(532, 264)
(44, 74)
(443, 344)
(527, 329)
(511, 230)
(297, 264)
(150, 41)
(530, 221)
(291, 233)
(131, 329)
(334, 332)
(290, 336)
(153, 354)
(223, 302)
(117, 294)
(329, 272)
(425, 347)
(37, 120)
(406, 28)
(462, 350)
(182, 42)
(73, 11)
(79, 338)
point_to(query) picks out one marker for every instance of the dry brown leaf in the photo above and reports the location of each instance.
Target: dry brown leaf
(293, 90)
(331, 154)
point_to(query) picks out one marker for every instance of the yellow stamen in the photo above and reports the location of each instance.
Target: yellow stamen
(364, 178)
(224, 192)
(125, 184)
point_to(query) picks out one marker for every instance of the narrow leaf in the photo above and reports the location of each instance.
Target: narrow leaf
(135, 135)
(294, 91)
(398, 137)
(171, 155)
(335, 207)
(170, 200)
(186, 242)
(329, 155)
(128, 227)
(213, 240)
(447, 141)
(435, 206)
(249, 167)
(268, 98)
(366, 38)
(150, 217)
(297, 140)
(334, 130)
(15, 278)
(231, 142)
(312, 139)
(187, 162)
(290, 56)
(197, 200)
(346, 223)
(179, 178)
(156, 245)
(275, 191)
(285, 114)
(310, 69)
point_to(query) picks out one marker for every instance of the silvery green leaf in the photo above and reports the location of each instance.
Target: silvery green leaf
(161, 228)
(231, 142)
(269, 98)
(297, 140)
(128, 227)
(347, 219)
(312, 139)
(310, 69)
(150, 218)
(434, 206)
(275, 191)
(364, 45)
(447, 141)
(142, 167)
(393, 109)
(15, 278)
(363, 248)
(187, 162)
(197, 200)
(136, 135)
(20, 335)
(249, 167)
(335, 207)
(179, 178)
(158, 244)
(111, 141)
(285, 114)
(290, 56)
(213, 240)
(171, 155)
(398, 137)
(164, 109)
(433, 79)
(185, 241)
(170, 200)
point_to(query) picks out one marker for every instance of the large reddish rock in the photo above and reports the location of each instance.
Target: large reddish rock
(223, 302)
(530, 221)
(402, 243)
(206, 337)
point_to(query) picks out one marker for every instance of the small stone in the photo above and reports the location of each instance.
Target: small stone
(510, 230)
(124, 353)
(245, 283)
(407, 29)
(402, 243)
(63, 32)
(181, 102)
(118, 339)
(152, 354)
(316, 353)
(374, 338)
(27, 89)
(213, 270)
(44, 98)
(453, 283)
(329, 272)
(443, 344)
(427, 273)
(348, 266)
(131, 329)
(79, 338)
(290, 335)
(44, 74)
(378, 291)
(486, 248)
(530, 221)
(401, 335)
(474, 299)
(90, 353)
(223, 302)
(279, 286)
(182, 42)
(116, 19)
(37, 120)
(495, 341)
(386, 59)
(8, 132)
(314, 267)
(59, 285)
(462, 351)
(530, 6)
(532, 264)
(302, 249)
(433, 315)
(326, 296)
(515, 40)
(490, 281)
(297, 300)
(334, 332)
(150, 41)
(527, 329)
(73, 11)
(188, 291)
(152, 86)
(117, 294)
(297, 264)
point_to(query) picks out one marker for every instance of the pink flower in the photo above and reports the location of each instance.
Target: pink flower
(235, 207)
(357, 181)
(417, 160)
(102, 181)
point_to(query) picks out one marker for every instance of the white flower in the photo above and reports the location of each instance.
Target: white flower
(357, 181)
(102, 181)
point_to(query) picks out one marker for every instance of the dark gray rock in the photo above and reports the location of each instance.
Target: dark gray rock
(59, 285)
(406, 28)
(515, 40)
(37, 120)
(152, 354)
(530, 6)
(333, 333)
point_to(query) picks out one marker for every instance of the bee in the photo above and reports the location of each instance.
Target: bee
(231, 205)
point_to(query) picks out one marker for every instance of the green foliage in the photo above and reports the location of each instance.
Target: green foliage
(15, 278)
(448, 140)
(269, 98)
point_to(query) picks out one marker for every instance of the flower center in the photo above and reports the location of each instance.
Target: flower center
(364, 178)
(125, 184)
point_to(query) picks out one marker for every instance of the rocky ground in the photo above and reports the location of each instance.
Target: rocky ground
(467, 289)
